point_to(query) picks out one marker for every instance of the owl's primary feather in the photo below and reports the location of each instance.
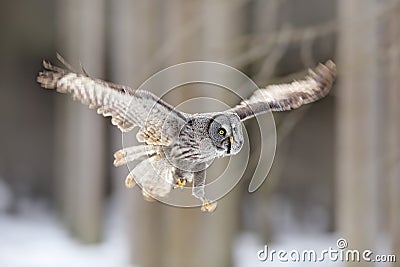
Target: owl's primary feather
(289, 96)
(127, 108)
(178, 146)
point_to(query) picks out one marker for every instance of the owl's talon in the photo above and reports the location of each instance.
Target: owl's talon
(208, 207)
(180, 183)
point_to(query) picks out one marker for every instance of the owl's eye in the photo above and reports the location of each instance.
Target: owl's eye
(222, 131)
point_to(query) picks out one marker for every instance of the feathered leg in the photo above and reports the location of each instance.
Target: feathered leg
(199, 180)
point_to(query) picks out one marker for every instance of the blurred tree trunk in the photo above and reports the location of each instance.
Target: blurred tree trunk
(392, 153)
(80, 131)
(393, 163)
(358, 120)
(266, 14)
(182, 227)
(223, 24)
(133, 37)
(191, 238)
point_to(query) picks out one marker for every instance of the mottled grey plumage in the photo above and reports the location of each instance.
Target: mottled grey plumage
(179, 146)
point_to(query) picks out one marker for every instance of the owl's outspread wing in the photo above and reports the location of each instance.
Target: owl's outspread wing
(128, 108)
(171, 136)
(159, 123)
(281, 97)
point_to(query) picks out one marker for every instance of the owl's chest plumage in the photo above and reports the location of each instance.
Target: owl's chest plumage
(193, 143)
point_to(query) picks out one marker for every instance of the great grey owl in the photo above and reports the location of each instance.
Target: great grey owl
(177, 146)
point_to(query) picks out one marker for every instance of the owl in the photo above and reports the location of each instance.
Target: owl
(178, 147)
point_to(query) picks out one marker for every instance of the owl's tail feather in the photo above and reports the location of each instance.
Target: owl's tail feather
(133, 153)
(154, 175)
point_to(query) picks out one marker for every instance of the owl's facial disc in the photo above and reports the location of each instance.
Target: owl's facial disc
(226, 133)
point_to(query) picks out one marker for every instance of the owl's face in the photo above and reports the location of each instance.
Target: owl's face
(225, 131)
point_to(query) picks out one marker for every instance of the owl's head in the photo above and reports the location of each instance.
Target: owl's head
(225, 131)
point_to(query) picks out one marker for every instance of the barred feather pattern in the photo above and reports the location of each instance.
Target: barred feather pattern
(159, 123)
(315, 86)
(130, 154)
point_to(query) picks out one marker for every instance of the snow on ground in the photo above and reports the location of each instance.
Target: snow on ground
(36, 238)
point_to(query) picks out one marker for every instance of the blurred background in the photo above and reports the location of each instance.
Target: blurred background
(337, 165)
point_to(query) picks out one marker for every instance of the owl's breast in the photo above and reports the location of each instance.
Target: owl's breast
(188, 157)
(190, 147)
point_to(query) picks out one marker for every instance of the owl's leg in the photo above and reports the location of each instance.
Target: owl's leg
(199, 180)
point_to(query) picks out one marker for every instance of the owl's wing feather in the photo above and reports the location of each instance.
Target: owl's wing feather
(315, 86)
(127, 107)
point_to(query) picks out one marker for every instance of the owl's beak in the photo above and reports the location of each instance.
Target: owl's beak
(230, 138)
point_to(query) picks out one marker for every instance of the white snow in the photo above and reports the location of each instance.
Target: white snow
(35, 238)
